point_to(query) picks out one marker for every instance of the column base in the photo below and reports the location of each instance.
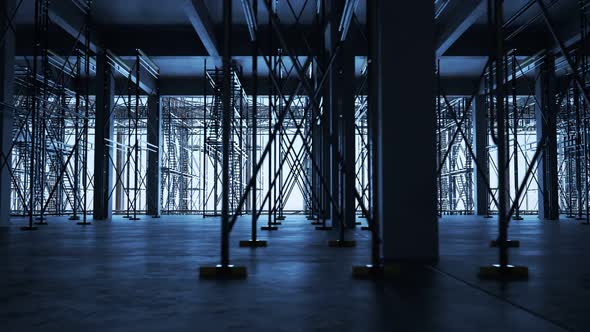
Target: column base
(509, 244)
(370, 272)
(276, 223)
(84, 223)
(518, 218)
(74, 218)
(508, 273)
(269, 228)
(134, 218)
(157, 216)
(219, 272)
(281, 218)
(342, 244)
(253, 244)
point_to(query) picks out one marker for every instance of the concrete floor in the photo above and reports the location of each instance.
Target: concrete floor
(144, 276)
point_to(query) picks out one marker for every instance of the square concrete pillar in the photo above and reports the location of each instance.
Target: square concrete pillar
(402, 84)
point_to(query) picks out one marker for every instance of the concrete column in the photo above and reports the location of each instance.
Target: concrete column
(7, 49)
(332, 97)
(344, 91)
(103, 170)
(119, 192)
(546, 114)
(154, 133)
(325, 163)
(480, 143)
(403, 87)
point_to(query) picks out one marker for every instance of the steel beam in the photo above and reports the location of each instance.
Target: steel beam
(198, 14)
(72, 20)
(459, 16)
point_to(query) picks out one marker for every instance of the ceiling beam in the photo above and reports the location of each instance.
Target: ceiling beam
(455, 20)
(198, 14)
(72, 20)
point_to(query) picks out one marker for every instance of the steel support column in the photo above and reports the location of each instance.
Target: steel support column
(103, 171)
(480, 143)
(154, 134)
(405, 155)
(546, 115)
(7, 51)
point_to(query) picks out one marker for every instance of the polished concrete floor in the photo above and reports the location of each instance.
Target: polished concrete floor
(143, 276)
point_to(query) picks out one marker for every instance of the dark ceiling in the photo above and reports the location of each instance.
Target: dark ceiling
(163, 30)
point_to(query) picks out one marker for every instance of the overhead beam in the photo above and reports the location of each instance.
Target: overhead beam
(198, 14)
(147, 81)
(72, 20)
(455, 20)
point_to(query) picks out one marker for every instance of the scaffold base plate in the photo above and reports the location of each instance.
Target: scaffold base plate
(134, 218)
(370, 272)
(342, 244)
(253, 244)
(84, 223)
(508, 273)
(509, 244)
(74, 218)
(269, 228)
(219, 272)
(281, 218)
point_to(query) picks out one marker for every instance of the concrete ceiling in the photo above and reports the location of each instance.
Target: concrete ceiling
(162, 29)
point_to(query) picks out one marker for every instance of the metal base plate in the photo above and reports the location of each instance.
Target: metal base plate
(508, 273)
(370, 272)
(342, 244)
(219, 272)
(253, 244)
(509, 244)
(269, 228)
